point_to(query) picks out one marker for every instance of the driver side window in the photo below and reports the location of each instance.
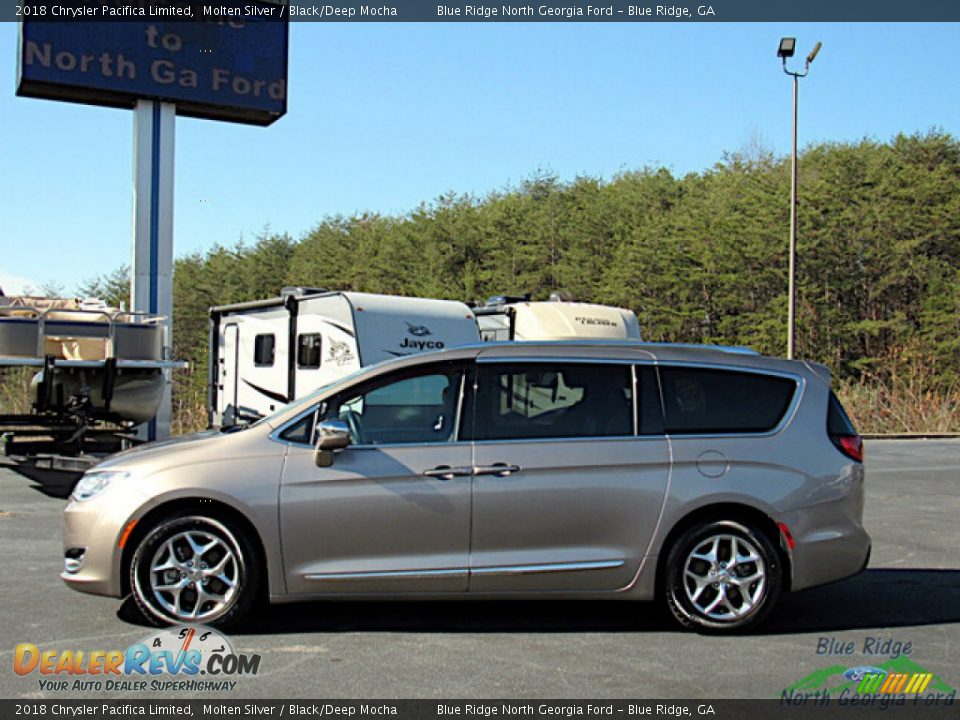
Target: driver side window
(408, 409)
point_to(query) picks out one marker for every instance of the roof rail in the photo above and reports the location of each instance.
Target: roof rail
(736, 349)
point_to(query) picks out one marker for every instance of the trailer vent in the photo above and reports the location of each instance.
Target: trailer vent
(301, 291)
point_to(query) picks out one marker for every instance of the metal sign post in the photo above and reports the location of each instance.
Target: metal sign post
(151, 274)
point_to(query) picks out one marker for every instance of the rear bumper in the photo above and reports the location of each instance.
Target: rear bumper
(829, 556)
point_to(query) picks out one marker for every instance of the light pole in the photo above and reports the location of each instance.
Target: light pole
(788, 46)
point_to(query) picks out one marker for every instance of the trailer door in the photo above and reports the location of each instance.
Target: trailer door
(229, 374)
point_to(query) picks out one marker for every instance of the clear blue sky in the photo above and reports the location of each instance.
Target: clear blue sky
(385, 116)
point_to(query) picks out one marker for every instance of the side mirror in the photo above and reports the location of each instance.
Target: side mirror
(333, 435)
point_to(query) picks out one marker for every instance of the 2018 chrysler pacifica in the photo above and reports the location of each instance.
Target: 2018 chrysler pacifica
(713, 479)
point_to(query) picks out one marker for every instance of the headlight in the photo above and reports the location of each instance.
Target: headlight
(95, 482)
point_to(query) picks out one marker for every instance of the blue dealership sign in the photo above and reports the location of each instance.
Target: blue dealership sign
(231, 66)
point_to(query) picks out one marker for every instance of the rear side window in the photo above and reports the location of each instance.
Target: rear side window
(553, 401)
(701, 400)
(264, 347)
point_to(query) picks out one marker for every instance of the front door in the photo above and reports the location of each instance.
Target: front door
(567, 493)
(392, 514)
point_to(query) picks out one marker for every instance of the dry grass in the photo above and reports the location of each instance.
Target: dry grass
(15, 395)
(189, 415)
(911, 400)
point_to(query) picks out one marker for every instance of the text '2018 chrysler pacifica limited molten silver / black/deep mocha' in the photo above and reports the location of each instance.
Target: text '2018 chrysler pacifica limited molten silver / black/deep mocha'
(713, 479)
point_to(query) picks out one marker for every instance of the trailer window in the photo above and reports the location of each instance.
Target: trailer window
(308, 351)
(264, 348)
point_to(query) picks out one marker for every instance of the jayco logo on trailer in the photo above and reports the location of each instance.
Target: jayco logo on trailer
(419, 331)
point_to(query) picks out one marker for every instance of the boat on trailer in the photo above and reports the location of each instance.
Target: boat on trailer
(100, 373)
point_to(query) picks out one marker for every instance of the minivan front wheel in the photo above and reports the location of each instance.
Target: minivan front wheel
(722, 576)
(193, 570)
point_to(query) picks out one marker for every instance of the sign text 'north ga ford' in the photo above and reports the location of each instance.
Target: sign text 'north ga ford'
(234, 68)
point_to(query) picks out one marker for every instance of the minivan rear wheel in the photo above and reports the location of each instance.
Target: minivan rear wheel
(722, 576)
(194, 570)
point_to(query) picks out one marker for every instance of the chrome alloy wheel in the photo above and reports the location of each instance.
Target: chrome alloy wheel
(724, 577)
(195, 574)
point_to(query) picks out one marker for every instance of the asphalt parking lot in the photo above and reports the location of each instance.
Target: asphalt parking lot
(909, 594)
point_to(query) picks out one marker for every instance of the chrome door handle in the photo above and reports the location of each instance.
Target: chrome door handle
(445, 472)
(498, 469)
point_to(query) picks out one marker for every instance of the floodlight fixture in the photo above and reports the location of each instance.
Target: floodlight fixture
(788, 46)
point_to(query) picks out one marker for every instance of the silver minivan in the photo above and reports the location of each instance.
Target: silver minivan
(712, 479)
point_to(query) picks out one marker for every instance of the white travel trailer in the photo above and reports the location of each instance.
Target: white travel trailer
(266, 353)
(517, 318)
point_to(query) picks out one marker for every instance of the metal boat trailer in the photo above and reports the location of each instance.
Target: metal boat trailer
(64, 437)
(60, 440)
(55, 452)
(100, 373)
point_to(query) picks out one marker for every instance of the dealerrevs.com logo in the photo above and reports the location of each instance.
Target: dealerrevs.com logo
(174, 659)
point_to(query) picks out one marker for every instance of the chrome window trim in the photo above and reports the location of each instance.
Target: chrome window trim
(575, 439)
(788, 415)
(386, 446)
(508, 360)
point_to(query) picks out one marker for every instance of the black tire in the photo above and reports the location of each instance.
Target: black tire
(225, 605)
(729, 615)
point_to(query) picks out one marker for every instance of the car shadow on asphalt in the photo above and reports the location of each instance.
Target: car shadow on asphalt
(877, 598)
(52, 483)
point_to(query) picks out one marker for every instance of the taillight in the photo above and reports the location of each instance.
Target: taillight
(842, 432)
(849, 445)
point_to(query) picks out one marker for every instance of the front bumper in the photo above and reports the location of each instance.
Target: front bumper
(92, 531)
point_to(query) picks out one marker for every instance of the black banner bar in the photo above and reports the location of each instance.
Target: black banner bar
(511, 11)
(878, 706)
